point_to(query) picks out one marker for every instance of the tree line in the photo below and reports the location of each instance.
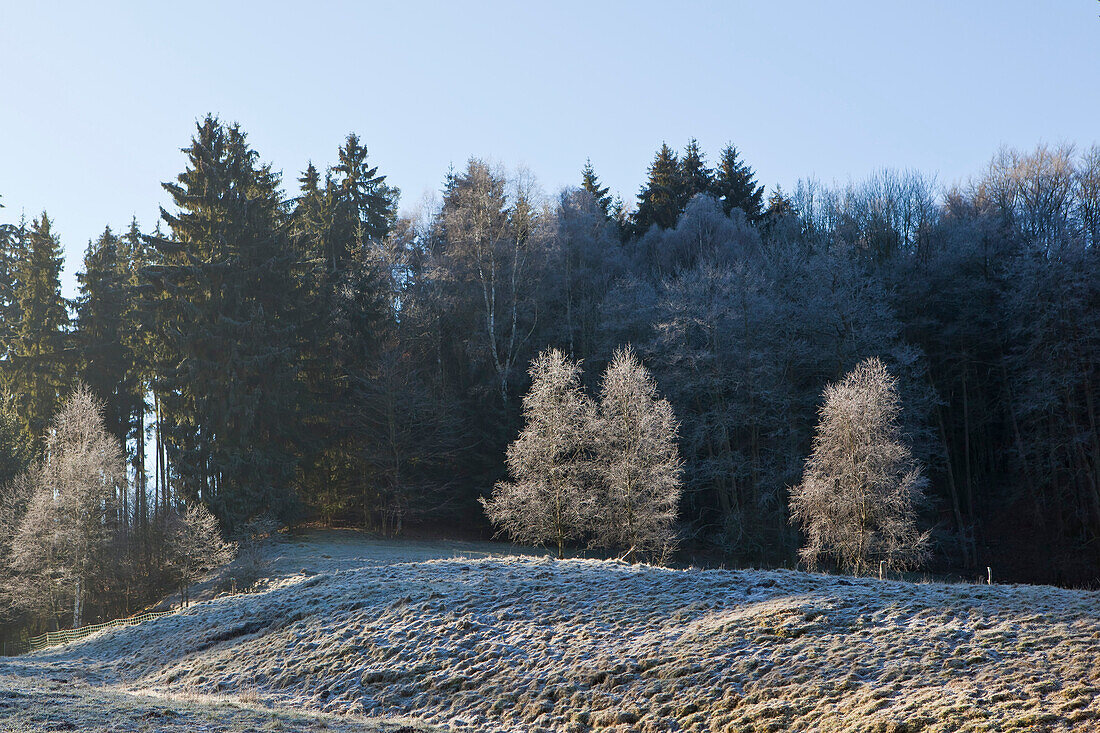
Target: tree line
(314, 354)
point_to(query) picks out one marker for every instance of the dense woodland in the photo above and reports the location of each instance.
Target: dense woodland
(298, 349)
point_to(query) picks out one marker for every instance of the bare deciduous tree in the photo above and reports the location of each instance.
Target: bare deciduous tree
(195, 546)
(547, 500)
(861, 485)
(638, 461)
(64, 535)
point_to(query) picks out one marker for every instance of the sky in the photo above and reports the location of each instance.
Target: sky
(96, 99)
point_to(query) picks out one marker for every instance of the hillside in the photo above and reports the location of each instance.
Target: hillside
(405, 635)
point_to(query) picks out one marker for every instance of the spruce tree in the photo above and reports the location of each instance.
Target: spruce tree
(339, 228)
(10, 235)
(363, 206)
(228, 329)
(135, 337)
(590, 183)
(104, 362)
(695, 176)
(38, 361)
(735, 186)
(779, 206)
(662, 198)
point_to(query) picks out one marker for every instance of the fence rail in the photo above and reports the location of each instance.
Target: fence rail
(53, 638)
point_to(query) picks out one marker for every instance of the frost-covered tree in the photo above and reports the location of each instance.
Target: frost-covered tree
(195, 546)
(548, 499)
(638, 461)
(861, 486)
(62, 543)
(488, 266)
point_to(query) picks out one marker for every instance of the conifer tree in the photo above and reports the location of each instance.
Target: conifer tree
(228, 330)
(695, 176)
(15, 449)
(104, 362)
(662, 198)
(735, 186)
(309, 217)
(10, 236)
(363, 206)
(38, 362)
(135, 338)
(590, 183)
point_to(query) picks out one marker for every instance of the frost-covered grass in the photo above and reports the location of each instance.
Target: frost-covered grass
(468, 637)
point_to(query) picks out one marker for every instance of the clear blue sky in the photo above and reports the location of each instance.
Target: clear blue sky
(98, 98)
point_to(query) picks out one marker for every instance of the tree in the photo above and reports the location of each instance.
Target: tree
(590, 183)
(15, 449)
(228, 320)
(489, 265)
(10, 244)
(363, 207)
(638, 461)
(662, 198)
(15, 496)
(780, 206)
(38, 362)
(735, 186)
(861, 486)
(548, 499)
(63, 539)
(105, 362)
(585, 259)
(195, 546)
(695, 176)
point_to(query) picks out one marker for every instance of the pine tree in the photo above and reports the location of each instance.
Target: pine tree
(309, 216)
(735, 186)
(38, 361)
(695, 176)
(590, 183)
(228, 316)
(661, 200)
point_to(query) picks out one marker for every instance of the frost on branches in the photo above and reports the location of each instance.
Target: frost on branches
(547, 500)
(63, 541)
(196, 546)
(861, 485)
(610, 475)
(638, 460)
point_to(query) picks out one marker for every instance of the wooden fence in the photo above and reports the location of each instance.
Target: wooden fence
(53, 638)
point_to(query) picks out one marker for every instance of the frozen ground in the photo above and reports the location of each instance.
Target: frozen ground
(474, 637)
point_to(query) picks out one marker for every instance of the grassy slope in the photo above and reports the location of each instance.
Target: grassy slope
(462, 636)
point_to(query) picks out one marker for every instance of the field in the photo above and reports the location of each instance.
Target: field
(351, 633)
